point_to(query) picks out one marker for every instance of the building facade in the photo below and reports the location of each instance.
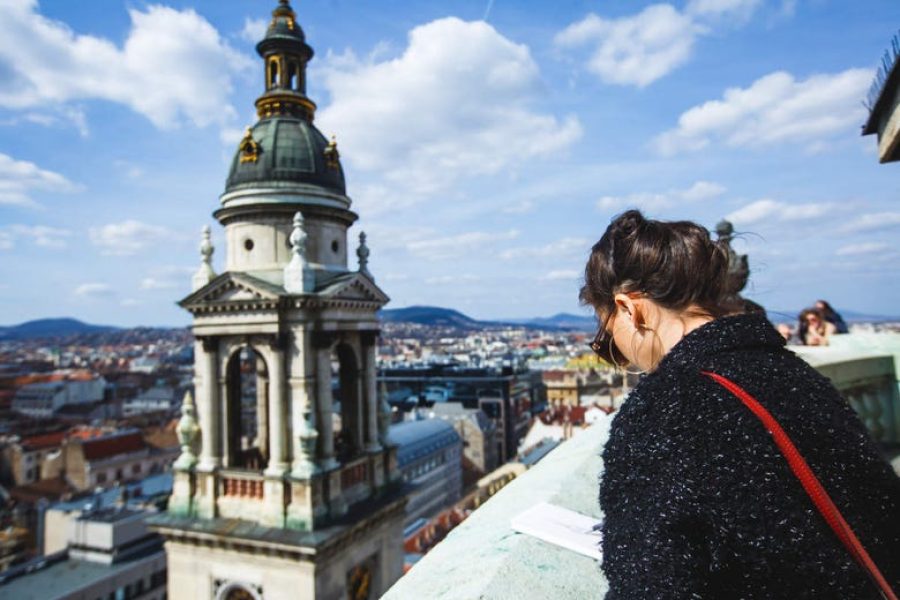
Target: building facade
(478, 433)
(310, 504)
(107, 553)
(43, 400)
(429, 456)
(509, 397)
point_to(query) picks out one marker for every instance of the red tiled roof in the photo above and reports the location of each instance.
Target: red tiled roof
(51, 489)
(47, 440)
(105, 447)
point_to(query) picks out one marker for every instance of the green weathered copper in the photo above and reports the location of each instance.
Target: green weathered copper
(291, 150)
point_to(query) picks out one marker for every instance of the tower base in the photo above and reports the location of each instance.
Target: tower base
(359, 557)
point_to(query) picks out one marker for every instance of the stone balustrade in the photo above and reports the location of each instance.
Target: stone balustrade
(242, 485)
(864, 367)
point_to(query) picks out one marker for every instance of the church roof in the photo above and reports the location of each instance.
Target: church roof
(283, 152)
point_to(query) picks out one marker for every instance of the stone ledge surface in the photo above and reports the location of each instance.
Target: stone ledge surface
(484, 558)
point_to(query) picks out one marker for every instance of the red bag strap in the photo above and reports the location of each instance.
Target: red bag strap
(810, 483)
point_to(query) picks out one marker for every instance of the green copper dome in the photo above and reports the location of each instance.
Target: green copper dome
(285, 151)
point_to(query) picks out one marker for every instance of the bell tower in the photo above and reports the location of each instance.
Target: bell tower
(287, 485)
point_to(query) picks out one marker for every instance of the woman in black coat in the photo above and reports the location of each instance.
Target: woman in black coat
(698, 500)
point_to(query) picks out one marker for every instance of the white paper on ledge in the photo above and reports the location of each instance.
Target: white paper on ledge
(560, 526)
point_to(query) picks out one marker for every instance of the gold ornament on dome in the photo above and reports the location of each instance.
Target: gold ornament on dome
(331, 154)
(249, 148)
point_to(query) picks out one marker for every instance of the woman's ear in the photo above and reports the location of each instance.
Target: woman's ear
(628, 307)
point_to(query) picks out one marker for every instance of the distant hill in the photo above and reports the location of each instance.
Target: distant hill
(431, 315)
(43, 328)
(447, 317)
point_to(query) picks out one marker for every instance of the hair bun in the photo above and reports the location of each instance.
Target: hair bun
(628, 223)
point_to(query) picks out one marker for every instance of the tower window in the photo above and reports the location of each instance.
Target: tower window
(273, 73)
(292, 77)
(248, 244)
(335, 246)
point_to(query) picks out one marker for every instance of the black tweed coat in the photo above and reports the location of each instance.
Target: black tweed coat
(698, 501)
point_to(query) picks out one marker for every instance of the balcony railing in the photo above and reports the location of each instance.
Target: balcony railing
(242, 485)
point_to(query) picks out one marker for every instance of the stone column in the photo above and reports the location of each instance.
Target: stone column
(210, 453)
(262, 408)
(324, 401)
(370, 390)
(277, 411)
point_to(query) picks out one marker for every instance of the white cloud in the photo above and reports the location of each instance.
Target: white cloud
(562, 275)
(94, 290)
(634, 50)
(167, 278)
(638, 49)
(456, 246)
(703, 190)
(863, 248)
(6, 241)
(19, 178)
(740, 9)
(173, 65)
(658, 201)
(456, 103)
(128, 237)
(519, 208)
(151, 283)
(254, 29)
(767, 209)
(451, 279)
(558, 250)
(41, 235)
(873, 222)
(129, 169)
(774, 108)
(129, 302)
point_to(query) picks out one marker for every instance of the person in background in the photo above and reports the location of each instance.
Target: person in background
(787, 332)
(698, 500)
(832, 316)
(813, 329)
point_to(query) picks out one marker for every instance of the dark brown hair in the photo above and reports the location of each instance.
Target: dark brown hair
(676, 264)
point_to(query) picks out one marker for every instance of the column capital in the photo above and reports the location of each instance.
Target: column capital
(210, 343)
(279, 342)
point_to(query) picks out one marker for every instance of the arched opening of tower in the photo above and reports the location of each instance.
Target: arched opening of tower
(246, 411)
(346, 389)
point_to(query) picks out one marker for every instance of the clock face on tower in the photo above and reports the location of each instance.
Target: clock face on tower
(239, 593)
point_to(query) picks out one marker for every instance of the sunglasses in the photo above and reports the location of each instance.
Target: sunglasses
(605, 347)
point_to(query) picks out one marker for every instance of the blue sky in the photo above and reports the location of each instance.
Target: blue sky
(486, 144)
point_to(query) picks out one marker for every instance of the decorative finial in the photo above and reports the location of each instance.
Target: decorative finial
(187, 431)
(331, 154)
(205, 273)
(249, 148)
(363, 254)
(296, 279)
